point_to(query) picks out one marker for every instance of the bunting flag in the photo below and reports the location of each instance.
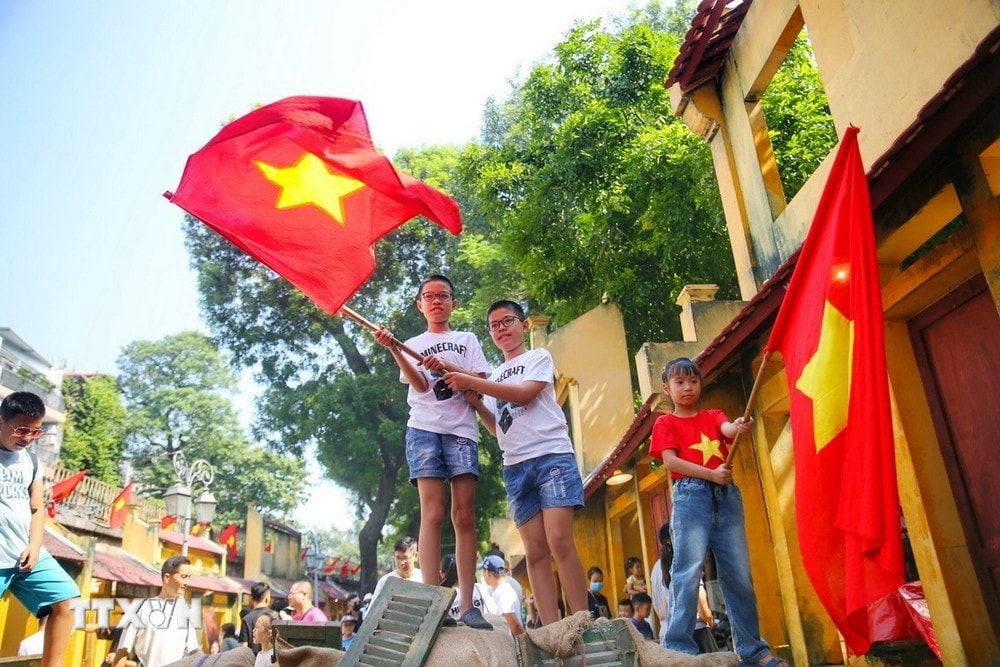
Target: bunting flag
(118, 507)
(228, 538)
(199, 528)
(355, 569)
(167, 522)
(332, 565)
(830, 333)
(60, 491)
(269, 545)
(299, 186)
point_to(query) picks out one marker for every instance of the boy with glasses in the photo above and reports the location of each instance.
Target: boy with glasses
(442, 434)
(539, 465)
(26, 568)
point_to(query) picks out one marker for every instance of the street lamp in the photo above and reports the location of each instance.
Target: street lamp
(178, 495)
(314, 561)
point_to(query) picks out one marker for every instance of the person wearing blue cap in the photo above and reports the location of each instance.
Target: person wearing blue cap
(504, 595)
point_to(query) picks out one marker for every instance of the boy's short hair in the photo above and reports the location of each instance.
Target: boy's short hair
(641, 598)
(435, 278)
(22, 403)
(259, 591)
(404, 544)
(173, 564)
(681, 366)
(510, 305)
(626, 603)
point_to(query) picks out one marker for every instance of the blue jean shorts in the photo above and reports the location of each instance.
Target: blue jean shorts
(541, 483)
(440, 455)
(45, 585)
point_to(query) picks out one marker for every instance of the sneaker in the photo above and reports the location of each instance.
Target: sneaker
(473, 618)
(449, 622)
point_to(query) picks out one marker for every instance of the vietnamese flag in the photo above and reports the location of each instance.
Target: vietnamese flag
(830, 332)
(332, 565)
(299, 186)
(117, 516)
(228, 538)
(168, 521)
(60, 491)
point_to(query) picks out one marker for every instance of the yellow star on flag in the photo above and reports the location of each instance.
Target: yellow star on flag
(708, 449)
(826, 379)
(310, 182)
(120, 503)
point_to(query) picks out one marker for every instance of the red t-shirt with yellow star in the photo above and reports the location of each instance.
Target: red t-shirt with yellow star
(697, 439)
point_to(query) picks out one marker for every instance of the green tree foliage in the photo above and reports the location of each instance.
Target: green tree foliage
(594, 188)
(329, 390)
(799, 121)
(178, 394)
(94, 436)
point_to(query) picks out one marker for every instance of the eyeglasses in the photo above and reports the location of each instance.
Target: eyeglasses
(506, 323)
(26, 431)
(443, 297)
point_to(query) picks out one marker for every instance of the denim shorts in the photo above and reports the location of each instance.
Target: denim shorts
(45, 585)
(541, 483)
(440, 455)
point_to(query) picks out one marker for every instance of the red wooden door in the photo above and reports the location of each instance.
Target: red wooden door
(957, 342)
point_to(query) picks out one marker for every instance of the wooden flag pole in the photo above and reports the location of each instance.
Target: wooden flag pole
(371, 326)
(750, 403)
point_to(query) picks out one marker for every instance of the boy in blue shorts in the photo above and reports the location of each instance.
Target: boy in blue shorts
(539, 466)
(26, 568)
(442, 435)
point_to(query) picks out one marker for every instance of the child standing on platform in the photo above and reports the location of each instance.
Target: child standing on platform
(442, 435)
(707, 514)
(544, 487)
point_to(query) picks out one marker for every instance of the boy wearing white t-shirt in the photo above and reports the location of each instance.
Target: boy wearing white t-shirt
(503, 594)
(442, 434)
(543, 483)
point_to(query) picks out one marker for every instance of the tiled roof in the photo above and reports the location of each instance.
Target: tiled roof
(706, 44)
(194, 542)
(61, 548)
(120, 566)
(218, 584)
(333, 591)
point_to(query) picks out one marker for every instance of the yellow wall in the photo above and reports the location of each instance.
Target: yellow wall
(590, 353)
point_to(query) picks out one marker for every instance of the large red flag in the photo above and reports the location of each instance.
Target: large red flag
(118, 507)
(298, 185)
(830, 333)
(228, 538)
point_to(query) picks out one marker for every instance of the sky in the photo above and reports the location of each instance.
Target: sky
(103, 102)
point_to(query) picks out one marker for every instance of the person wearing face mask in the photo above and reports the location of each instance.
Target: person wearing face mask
(596, 602)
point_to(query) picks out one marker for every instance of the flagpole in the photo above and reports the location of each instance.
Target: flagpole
(371, 326)
(751, 400)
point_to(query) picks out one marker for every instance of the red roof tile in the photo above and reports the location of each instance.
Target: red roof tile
(706, 44)
(194, 542)
(125, 568)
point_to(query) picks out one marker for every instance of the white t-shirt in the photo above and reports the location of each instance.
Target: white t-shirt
(529, 431)
(264, 658)
(16, 475)
(32, 644)
(417, 577)
(452, 415)
(167, 633)
(659, 592)
(506, 600)
(482, 599)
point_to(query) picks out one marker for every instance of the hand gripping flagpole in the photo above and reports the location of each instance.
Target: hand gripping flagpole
(371, 326)
(751, 400)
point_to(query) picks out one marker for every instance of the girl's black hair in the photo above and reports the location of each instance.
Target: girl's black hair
(450, 570)
(680, 366)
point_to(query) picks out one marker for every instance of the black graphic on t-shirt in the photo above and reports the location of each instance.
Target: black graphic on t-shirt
(507, 413)
(442, 391)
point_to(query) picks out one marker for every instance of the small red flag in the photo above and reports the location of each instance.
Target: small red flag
(830, 332)
(61, 490)
(332, 565)
(118, 505)
(299, 186)
(269, 545)
(228, 538)
(168, 521)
